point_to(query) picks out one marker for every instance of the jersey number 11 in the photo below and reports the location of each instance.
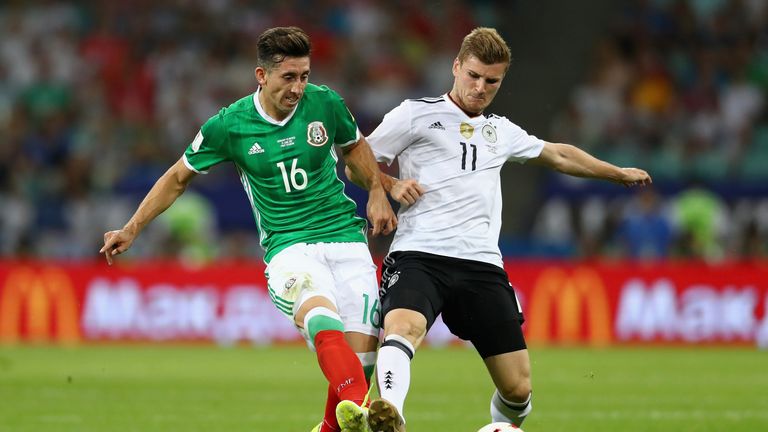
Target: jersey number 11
(464, 156)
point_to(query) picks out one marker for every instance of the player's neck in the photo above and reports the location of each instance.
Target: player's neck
(454, 99)
(270, 109)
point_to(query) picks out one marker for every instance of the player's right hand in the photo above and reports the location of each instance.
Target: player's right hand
(115, 243)
(406, 192)
(380, 212)
(634, 177)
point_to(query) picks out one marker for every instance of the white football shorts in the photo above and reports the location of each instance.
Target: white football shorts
(344, 273)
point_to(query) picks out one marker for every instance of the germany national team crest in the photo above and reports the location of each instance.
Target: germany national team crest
(489, 133)
(316, 134)
(466, 130)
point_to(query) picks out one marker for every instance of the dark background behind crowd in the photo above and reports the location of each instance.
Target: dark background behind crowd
(97, 99)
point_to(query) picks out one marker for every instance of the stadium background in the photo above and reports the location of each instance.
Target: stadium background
(97, 99)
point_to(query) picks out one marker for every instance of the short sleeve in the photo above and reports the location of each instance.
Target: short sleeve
(520, 145)
(208, 147)
(393, 135)
(346, 127)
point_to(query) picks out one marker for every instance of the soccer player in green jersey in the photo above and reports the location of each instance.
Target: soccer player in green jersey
(320, 273)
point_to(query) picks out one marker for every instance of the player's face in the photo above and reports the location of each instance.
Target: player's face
(283, 86)
(476, 83)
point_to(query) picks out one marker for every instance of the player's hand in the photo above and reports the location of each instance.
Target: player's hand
(406, 192)
(380, 212)
(115, 243)
(634, 177)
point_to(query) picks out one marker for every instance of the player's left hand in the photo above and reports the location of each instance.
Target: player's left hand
(406, 192)
(634, 177)
(380, 212)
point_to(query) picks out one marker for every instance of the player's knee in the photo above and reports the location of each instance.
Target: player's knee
(322, 319)
(409, 324)
(312, 304)
(517, 392)
(410, 330)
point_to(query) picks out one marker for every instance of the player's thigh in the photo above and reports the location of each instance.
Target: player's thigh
(511, 373)
(356, 287)
(296, 275)
(487, 313)
(409, 282)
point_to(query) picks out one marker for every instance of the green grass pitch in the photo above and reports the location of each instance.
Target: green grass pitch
(206, 388)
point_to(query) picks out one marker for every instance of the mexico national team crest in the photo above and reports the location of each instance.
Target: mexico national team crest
(316, 134)
(466, 130)
(489, 133)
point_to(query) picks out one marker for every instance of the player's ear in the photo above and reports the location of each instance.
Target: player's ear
(456, 66)
(261, 75)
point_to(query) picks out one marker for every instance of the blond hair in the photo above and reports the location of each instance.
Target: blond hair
(487, 45)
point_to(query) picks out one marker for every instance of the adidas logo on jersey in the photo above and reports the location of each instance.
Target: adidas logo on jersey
(436, 125)
(255, 148)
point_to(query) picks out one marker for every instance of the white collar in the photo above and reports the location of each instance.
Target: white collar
(455, 107)
(266, 116)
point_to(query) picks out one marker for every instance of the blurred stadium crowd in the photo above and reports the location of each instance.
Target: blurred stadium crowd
(678, 88)
(98, 98)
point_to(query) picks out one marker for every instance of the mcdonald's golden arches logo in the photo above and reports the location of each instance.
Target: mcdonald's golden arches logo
(569, 296)
(43, 301)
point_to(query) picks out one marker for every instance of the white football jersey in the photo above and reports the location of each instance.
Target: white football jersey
(457, 159)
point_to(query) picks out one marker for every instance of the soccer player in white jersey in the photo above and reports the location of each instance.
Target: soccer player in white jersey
(445, 256)
(320, 274)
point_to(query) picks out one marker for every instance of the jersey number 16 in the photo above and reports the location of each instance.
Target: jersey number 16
(298, 177)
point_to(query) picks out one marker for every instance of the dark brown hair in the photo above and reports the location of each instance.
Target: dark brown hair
(277, 43)
(487, 45)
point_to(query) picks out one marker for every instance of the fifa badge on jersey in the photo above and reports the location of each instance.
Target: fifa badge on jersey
(316, 134)
(466, 130)
(489, 133)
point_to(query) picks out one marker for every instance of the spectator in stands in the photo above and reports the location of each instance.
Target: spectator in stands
(698, 69)
(645, 231)
(702, 220)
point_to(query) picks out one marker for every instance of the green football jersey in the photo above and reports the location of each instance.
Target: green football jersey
(288, 168)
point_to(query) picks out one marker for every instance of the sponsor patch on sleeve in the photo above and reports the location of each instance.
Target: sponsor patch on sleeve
(197, 141)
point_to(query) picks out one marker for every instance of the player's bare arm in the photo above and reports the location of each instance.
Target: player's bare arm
(406, 191)
(571, 160)
(359, 159)
(164, 192)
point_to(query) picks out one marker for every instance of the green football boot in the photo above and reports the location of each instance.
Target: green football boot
(352, 417)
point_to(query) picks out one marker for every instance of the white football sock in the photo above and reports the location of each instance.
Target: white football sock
(393, 370)
(503, 410)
